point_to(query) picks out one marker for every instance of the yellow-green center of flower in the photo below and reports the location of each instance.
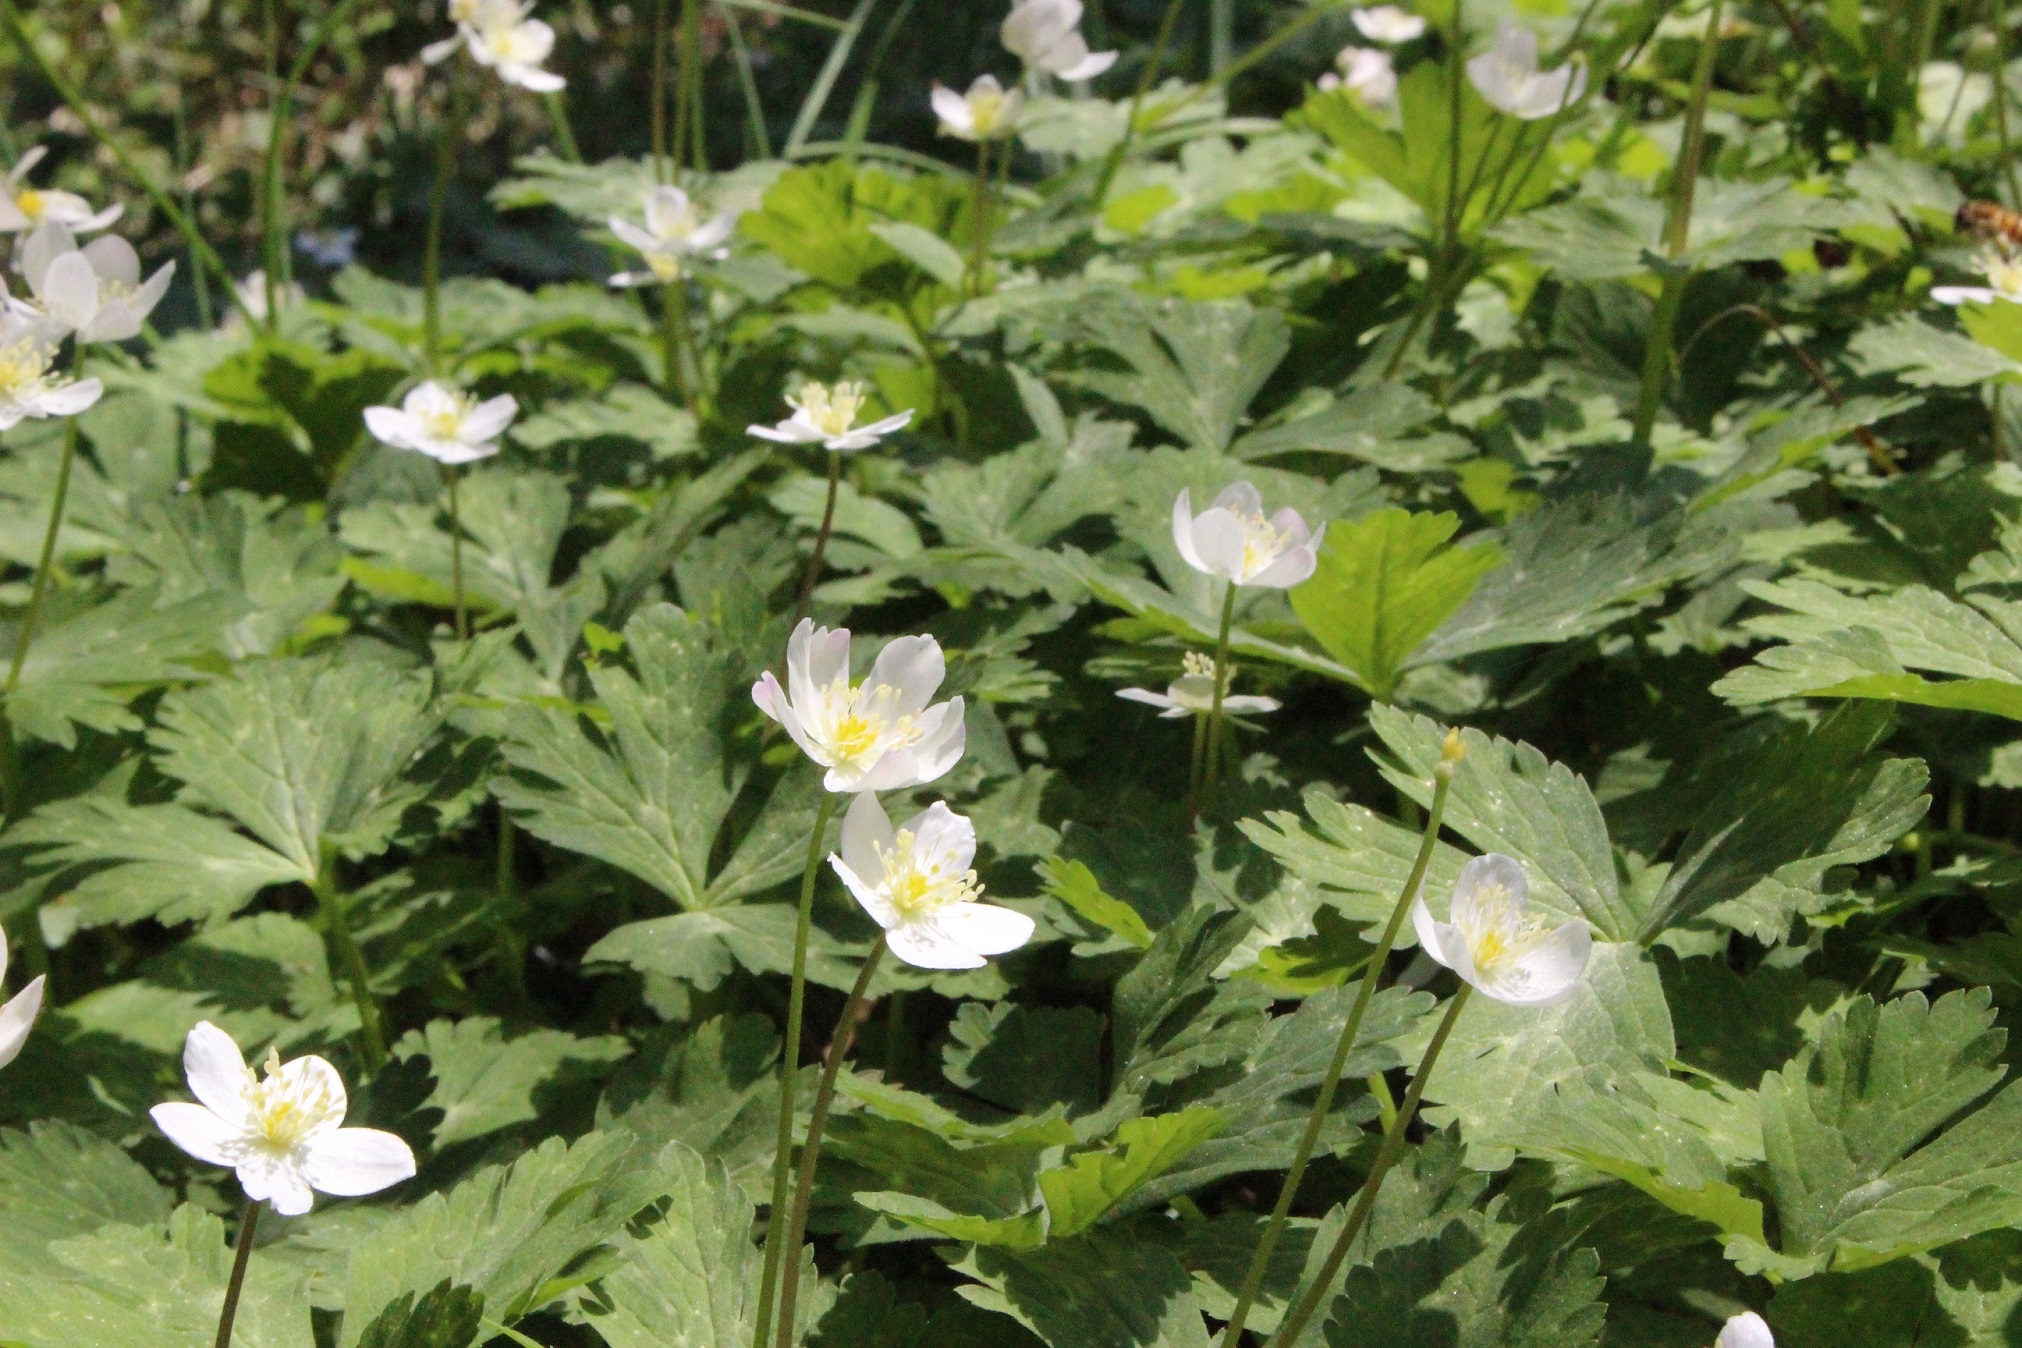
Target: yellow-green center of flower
(2004, 274)
(446, 422)
(1263, 542)
(31, 202)
(921, 886)
(986, 111)
(463, 11)
(285, 1111)
(857, 728)
(832, 411)
(24, 371)
(1496, 928)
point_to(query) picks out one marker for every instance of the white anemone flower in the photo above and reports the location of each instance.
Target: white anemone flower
(1388, 23)
(94, 291)
(28, 389)
(1233, 539)
(984, 113)
(17, 1017)
(1496, 947)
(284, 1134)
(1193, 693)
(446, 424)
(1364, 71)
(917, 883)
(879, 735)
(827, 415)
(2004, 281)
(673, 233)
(1046, 36)
(1507, 75)
(502, 35)
(23, 208)
(1746, 1330)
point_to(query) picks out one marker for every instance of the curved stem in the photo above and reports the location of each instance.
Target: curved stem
(274, 223)
(789, 1066)
(1145, 81)
(1393, 1146)
(821, 537)
(1275, 1228)
(1221, 687)
(46, 565)
(337, 926)
(810, 1152)
(249, 1221)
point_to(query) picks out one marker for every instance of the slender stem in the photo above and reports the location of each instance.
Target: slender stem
(1221, 35)
(449, 476)
(2001, 98)
(674, 343)
(814, 562)
(1457, 58)
(505, 902)
(1200, 755)
(687, 53)
(658, 114)
(1316, 1122)
(199, 276)
(438, 205)
(274, 200)
(249, 1221)
(789, 1066)
(1393, 1145)
(1145, 81)
(979, 210)
(810, 1151)
(270, 188)
(558, 122)
(337, 926)
(698, 107)
(46, 566)
(1221, 686)
(755, 130)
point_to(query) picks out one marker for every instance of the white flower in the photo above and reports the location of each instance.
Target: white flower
(18, 1015)
(446, 424)
(1046, 35)
(984, 113)
(2004, 281)
(1193, 693)
(917, 884)
(1746, 1330)
(879, 735)
(500, 34)
(1494, 947)
(94, 291)
(1388, 23)
(1364, 71)
(27, 388)
(284, 1134)
(26, 207)
(673, 234)
(252, 292)
(828, 416)
(1233, 540)
(1507, 75)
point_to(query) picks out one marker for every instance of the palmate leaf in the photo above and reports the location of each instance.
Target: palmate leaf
(1026, 1058)
(713, 1087)
(1926, 357)
(1195, 367)
(623, 412)
(1358, 859)
(1092, 1183)
(448, 1317)
(1108, 1289)
(58, 1181)
(515, 519)
(485, 1082)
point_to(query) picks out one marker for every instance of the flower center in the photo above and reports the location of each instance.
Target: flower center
(831, 410)
(860, 726)
(986, 110)
(2004, 274)
(446, 423)
(463, 11)
(1497, 931)
(664, 265)
(918, 886)
(32, 203)
(1263, 542)
(286, 1112)
(24, 370)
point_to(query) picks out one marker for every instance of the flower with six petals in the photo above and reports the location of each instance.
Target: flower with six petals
(1507, 75)
(1234, 540)
(673, 233)
(17, 1017)
(826, 415)
(917, 884)
(446, 424)
(1495, 946)
(879, 735)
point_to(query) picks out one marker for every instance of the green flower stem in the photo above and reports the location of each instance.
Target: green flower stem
(662, 171)
(449, 476)
(979, 208)
(1221, 687)
(270, 211)
(674, 349)
(810, 1151)
(200, 279)
(688, 53)
(1199, 756)
(45, 566)
(821, 537)
(1119, 151)
(505, 902)
(558, 120)
(789, 1066)
(337, 927)
(249, 1221)
(1253, 1281)
(273, 199)
(1221, 35)
(1393, 1146)
(438, 205)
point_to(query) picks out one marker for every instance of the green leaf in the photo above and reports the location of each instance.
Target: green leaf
(926, 250)
(1926, 357)
(1195, 366)
(623, 412)
(1026, 1058)
(1075, 885)
(1106, 1289)
(1359, 860)
(58, 1181)
(1092, 1183)
(713, 1087)
(485, 1082)
(1383, 584)
(448, 1317)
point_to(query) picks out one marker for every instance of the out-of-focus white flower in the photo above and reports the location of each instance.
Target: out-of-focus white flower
(501, 34)
(1193, 693)
(1507, 75)
(446, 424)
(1365, 71)
(94, 291)
(1494, 946)
(827, 416)
(1233, 539)
(1046, 35)
(26, 207)
(17, 1017)
(984, 113)
(917, 883)
(1746, 1330)
(2004, 281)
(1388, 23)
(879, 735)
(27, 388)
(252, 292)
(673, 233)
(285, 1135)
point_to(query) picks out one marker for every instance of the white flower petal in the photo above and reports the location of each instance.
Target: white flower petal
(1148, 697)
(17, 1017)
(277, 1180)
(71, 399)
(1218, 541)
(1295, 567)
(113, 259)
(953, 110)
(786, 433)
(1479, 877)
(199, 1132)
(1246, 702)
(866, 835)
(488, 420)
(1746, 1330)
(311, 1077)
(1963, 295)
(866, 894)
(1547, 973)
(392, 426)
(217, 1073)
(984, 928)
(942, 837)
(70, 290)
(352, 1162)
(1183, 530)
(914, 667)
(1239, 498)
(1089, 66)
(926, 945)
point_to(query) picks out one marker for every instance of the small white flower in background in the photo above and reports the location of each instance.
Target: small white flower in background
(2004, 281)
(284, 1134)
(502, 35)
(1046, 36)
(827, 415)
(94, 291)
(24, 208)
(1388, 23)
(879, 735)
(1746, 1330)
(17, 1017)
(27, 388)
(446, 424)
(1495, 946)
(1507, 75)
(1364, 71)
(673, 233)
(984, 113)
(1193, 693)
(1232, 539)
(252, 292)
(918, 885)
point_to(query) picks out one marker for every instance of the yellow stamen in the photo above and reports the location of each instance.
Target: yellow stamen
(32, 203)
(833, 411)
(918, 890)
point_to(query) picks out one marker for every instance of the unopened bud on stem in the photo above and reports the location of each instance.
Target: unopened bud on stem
(1451, 751)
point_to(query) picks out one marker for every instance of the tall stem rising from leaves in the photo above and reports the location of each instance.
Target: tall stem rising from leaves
(979, 210)
(1253, 1281)
(1212, 760)
(449, 475)
(45, 565)
(815, 560)
(1119, 151)
(438, 206)
(249, 1221)
(337, 928)
(657, 116)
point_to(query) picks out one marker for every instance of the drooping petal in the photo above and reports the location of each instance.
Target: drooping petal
(1247, 702)
(217, 1073)
(643, 240)
(351, 1162)
(17, 1018)
(790, 432)
(1148, 697)
(913, 667)
(984, 928)
(533, 78)
(200, 1133)
(925, 944)
(866, 835)
(867, 895)
(1548, 971)
(896, 422)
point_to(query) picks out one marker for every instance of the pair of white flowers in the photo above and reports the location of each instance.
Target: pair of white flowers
(1366, 71)
(502, 36)
(917, 881)
(1043, 34)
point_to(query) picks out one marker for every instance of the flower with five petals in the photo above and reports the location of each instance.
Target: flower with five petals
(1495, 946)
(1193, 693)
(1507, 75)
(94, 291)
(827, 415)
(878, 735)
(984, 113)
(917, 883)
(1234, 540)
(446, 424)
(673, 233)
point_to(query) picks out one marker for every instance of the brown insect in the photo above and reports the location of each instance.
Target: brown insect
(1990, 222)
